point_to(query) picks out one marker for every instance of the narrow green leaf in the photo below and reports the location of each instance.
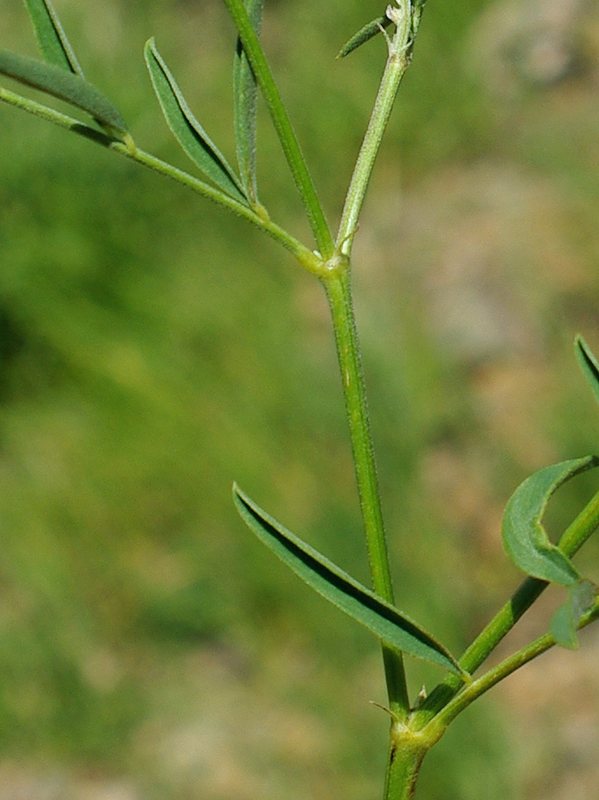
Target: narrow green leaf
(524, 537)
(52, 40)
(245, 91)
(564, 623)
(66, 86)
(283, 127)
(369, 30)
(588, 364)
(326, 578)
(186, 129)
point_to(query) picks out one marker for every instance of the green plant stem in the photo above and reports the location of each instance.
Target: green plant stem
(338, 289)
(406, 754)
(395, 68)
(282, 123)
(573, 538)
(305, 257)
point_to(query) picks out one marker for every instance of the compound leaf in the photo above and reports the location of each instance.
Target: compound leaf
(52, 40)
(326, 578)
(187, 130)
(524, 537)
(66, 86)
(245, 92)
(588, 364)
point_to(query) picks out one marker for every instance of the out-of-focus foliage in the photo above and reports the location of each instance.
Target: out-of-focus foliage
(152, 350)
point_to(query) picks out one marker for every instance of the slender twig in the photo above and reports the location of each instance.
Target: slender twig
(395, 68)
(306, 258)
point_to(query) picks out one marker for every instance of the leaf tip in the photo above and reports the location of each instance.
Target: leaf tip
(241, 499)
(150, 47)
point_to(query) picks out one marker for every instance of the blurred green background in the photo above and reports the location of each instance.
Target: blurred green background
(153, 350)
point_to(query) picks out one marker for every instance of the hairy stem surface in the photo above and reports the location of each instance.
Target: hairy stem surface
(404, 762)
(338, 289)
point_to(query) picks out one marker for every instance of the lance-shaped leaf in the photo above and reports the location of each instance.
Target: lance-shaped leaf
(564, 623)
(66, 86)
(588, 364)
(524, 537)
(369, 30)
(52, 40)
(326, 578)
(245, 93)
(187, 130)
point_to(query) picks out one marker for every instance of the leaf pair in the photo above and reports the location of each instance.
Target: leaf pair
(191, 135)
(332, 583)
(60, 75)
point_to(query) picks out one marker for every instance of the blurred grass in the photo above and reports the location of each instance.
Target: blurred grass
(153, 351)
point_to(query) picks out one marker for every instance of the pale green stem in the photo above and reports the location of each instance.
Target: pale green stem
(407, 749)
(338, 289)
(402, 770)
(395, 68)
(306, 258)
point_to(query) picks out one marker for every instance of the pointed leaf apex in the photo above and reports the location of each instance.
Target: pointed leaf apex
(588, 363)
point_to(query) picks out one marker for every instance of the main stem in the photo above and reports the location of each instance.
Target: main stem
(402, 764)
(338, 289)
(406, 753)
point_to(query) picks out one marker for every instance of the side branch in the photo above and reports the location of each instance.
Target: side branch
(304, 256)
